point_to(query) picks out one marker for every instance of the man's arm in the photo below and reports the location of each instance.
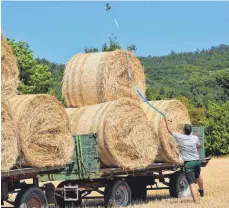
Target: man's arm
(168, 126)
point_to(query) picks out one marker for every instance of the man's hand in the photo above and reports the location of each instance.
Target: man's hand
(168, 126)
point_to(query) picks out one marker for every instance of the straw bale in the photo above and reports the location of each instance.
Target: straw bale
(125, 136)
(9, 69)
(45, 135)
(177, 112)
(9, 137)
(94, 78)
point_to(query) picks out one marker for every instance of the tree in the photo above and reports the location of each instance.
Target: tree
(132, 48)
(91, 50)
(217, 134)
(24, 57)
(197, 114)
(223, 80)
(34, 77)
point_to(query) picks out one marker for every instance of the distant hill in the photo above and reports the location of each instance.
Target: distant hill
(190, 74)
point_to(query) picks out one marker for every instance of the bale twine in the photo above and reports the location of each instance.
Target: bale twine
(126, 138)
(94, 78)
(10, 70)
(44, 130)
(175, 110)
(9, 138)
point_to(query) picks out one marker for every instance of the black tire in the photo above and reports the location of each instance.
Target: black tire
(62, 204)
(118, 194)
(178, 185)
(31, 197)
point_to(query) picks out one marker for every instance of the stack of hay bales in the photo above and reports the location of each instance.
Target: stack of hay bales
(125, 136)
(37, 125)
(95, 78)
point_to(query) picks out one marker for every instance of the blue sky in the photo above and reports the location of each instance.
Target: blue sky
(58, 30)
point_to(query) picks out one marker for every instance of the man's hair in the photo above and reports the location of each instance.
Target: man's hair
(187, 129)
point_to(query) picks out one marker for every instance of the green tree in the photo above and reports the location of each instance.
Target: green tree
(132, 48)
(223, 80)
(91, 50)
(217, 133)
(34, 77)
(197, 114)
(24, 57)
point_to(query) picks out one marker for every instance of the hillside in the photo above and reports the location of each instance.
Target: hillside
(190, 74)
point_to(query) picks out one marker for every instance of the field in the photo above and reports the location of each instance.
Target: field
(216, 183)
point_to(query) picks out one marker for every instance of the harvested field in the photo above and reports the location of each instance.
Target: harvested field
(94, 78)
(177, 112)
(9, 70)
(45, 136)
(123, 131)
(9, 137)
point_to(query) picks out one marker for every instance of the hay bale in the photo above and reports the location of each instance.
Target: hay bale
(44, 130)
(125, 136)
(9, 138)
(10, 70)
(94, 78)
(175, 110)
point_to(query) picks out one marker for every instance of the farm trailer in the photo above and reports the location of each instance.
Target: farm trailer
(83, 175)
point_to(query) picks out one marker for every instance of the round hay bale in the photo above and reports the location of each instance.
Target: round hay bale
(9, 139)
(175, 110)
(10, 70)
(45, 135)
(94, 78)
(126, 138)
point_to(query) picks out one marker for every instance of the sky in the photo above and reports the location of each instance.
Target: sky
(58, 30)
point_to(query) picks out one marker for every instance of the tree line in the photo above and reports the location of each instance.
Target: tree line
(199, 79)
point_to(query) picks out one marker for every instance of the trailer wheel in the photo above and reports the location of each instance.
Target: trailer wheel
(31, 198)
(178, 185)
(62, 204)
(117, 193)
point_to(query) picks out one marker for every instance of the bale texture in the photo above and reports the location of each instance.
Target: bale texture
(9, 138)
(10, 70)
(94, 78)
(126, 138)
(45, 135)
(178, 113)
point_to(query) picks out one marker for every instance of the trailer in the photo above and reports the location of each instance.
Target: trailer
(84, 175)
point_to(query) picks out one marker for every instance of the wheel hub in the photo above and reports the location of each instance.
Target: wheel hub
(34, 202)
(121, 196)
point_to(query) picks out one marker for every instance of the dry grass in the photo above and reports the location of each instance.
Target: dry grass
(9, 137)
(178, 113)
(123, 131)
(94, 78)
(45, 137)
(9, 70)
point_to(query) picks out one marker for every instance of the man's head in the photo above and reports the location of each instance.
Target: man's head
(187, 129)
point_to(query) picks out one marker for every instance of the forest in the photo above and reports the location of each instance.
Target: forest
(199, 79)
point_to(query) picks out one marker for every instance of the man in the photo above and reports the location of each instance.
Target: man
(189, 146)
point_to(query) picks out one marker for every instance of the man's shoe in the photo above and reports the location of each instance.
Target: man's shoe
(201, 193)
